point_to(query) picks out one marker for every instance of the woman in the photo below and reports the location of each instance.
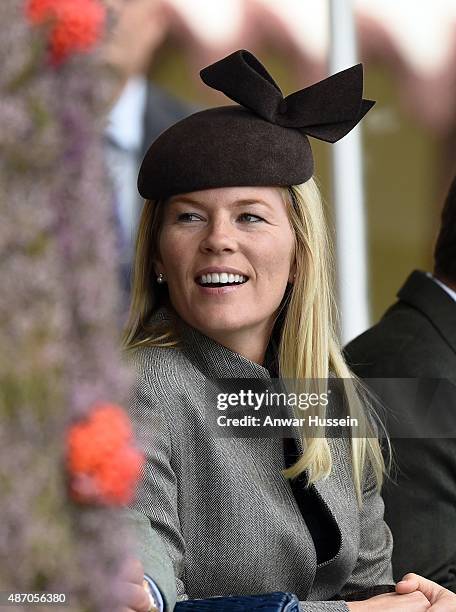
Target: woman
(232, 281)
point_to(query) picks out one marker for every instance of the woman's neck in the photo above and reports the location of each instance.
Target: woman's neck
(250, 343)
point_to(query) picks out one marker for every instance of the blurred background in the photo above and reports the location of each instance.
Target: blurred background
(409, 139)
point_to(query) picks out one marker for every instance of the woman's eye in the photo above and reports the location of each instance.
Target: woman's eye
(250, 218)
(188, 217)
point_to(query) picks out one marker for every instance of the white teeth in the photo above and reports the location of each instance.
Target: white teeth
(222, 277)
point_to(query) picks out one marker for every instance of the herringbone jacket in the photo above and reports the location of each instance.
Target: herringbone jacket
(226, 514)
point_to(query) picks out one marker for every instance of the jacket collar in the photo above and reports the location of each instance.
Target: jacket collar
(424, 294)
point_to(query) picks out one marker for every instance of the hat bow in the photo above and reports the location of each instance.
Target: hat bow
(326, 110)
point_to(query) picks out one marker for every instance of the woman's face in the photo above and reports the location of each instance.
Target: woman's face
(226, 255)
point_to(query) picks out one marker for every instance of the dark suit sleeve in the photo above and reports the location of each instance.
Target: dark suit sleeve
(421, 509)
(420, 496)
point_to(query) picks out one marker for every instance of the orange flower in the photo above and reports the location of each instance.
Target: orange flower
(103, 464)
(75, 25)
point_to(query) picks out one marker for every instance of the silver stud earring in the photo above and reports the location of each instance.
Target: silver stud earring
(161, 279)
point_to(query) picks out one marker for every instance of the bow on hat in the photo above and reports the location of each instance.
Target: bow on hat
(327, 110)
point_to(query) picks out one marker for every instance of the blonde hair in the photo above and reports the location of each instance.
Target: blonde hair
(308, 347)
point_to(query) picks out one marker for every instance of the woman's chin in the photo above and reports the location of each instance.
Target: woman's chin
(213, 321)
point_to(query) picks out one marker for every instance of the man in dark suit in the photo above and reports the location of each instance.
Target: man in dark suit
(141, 111)
(416, 340)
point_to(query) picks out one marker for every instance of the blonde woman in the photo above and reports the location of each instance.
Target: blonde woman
(232, 280)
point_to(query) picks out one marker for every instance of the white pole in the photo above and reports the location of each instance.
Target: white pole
(347, 173)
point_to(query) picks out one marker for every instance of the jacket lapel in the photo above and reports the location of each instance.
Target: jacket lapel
(424, 294)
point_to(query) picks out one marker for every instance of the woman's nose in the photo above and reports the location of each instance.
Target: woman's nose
(219, 237)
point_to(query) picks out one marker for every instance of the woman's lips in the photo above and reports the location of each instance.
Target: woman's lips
(214, 291)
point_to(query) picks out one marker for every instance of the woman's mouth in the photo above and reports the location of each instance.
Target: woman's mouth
(221, 279)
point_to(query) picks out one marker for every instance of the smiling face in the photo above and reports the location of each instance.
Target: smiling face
(226, 255)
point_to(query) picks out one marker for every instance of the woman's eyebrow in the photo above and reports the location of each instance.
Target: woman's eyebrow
(250, 202)
(242, 202)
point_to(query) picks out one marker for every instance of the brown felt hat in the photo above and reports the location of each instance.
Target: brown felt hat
(261, 140)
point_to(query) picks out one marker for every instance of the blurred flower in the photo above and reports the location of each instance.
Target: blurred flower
(104, 465)
(59, 348)
(75, 25)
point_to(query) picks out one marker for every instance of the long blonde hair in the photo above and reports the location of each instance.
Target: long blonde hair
(308, 346)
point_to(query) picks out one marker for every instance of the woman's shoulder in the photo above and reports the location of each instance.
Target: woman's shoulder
(152, 355)
(158, 361)
(160, 377)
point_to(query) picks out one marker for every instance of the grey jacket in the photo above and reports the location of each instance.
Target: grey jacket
(226, 514)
